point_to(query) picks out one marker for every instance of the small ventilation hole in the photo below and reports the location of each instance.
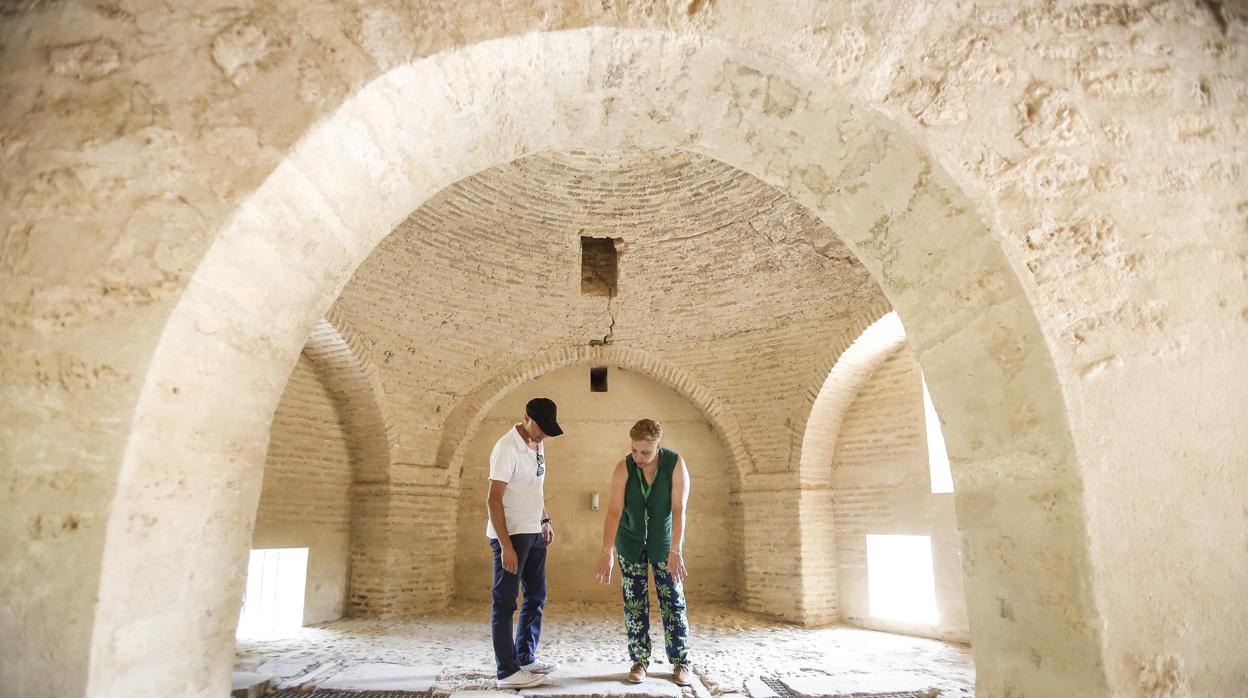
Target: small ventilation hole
(598, 379)
(599, 266)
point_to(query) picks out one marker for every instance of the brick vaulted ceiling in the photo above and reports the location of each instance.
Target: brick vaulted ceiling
(719, 274)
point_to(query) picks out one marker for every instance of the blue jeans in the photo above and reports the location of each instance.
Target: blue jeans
(509, 652)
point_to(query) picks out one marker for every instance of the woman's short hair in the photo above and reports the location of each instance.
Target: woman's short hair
(646, 430)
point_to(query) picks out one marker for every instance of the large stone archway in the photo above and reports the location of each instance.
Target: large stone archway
(298, 238)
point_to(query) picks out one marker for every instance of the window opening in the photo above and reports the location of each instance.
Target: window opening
(937, 455)
(900, 582)
(598, 379)
(599, 266)
(273, 602)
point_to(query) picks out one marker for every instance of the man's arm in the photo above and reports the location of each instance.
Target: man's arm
(548, 530)
(494, 503)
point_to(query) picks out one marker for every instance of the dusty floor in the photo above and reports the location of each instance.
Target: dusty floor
(729, 647)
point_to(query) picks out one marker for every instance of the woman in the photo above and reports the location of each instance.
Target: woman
(646, 525)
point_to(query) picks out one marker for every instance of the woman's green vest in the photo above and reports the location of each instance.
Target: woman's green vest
(646, 522)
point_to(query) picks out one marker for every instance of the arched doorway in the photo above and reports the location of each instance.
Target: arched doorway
(297, 240)
(867, 446)
(595, 437)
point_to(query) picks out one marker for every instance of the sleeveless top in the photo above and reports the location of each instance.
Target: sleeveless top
(646, 522)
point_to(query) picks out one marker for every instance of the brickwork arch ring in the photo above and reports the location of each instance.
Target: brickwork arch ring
(853, 368)
(193, 460)
(462, 425)
(344, 365)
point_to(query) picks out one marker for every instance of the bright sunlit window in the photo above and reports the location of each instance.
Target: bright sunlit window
(273, 604)
(900, 582)
(937, 456)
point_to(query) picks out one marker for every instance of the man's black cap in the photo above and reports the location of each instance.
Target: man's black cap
(542, 411)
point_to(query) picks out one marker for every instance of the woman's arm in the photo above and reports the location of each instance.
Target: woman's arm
(615, 507)
(680, 497)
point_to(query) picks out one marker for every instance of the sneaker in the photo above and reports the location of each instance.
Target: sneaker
(637, 674)
(682, 675)
(521, 679)
(537, 666)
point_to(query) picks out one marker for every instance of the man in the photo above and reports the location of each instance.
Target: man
(519, 530)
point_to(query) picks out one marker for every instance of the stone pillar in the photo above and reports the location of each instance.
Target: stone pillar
(402, 559)
(818, 556)
(770, 544)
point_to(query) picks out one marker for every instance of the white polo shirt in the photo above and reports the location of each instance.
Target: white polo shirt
(513, 462)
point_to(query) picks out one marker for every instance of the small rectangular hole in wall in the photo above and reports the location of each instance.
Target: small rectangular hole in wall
(599, 266)
(598, 379)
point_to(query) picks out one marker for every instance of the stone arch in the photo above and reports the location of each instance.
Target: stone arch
(854, 367)
(190, 463)
(344, 366)
(465, 421)
(818, 378)
(462, 424)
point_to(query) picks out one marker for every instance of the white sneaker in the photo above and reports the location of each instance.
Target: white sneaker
(539, 667)
(521, 679)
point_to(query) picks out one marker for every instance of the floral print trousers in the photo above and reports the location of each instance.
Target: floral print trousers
(633, 579)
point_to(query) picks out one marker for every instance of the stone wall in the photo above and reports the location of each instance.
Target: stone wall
(1050, 193)
(580, 462)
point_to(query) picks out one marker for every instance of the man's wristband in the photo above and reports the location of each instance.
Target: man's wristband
(546, 520)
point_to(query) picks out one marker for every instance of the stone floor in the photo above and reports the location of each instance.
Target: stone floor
(731, 650)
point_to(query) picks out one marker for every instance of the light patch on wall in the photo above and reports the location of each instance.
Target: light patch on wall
(937, 455)
(900, 583)
(273, 604)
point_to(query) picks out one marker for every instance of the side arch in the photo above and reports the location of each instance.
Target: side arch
(462, 425)
(348, 372)
(378, 579)
(854, 367)
(818, 378)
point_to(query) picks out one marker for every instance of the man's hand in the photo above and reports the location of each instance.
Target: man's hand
(605, 564)
(676, 566)
(511, 563)
(548, 533)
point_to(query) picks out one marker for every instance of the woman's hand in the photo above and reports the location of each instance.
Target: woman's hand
(676, 566)
(605, 564)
